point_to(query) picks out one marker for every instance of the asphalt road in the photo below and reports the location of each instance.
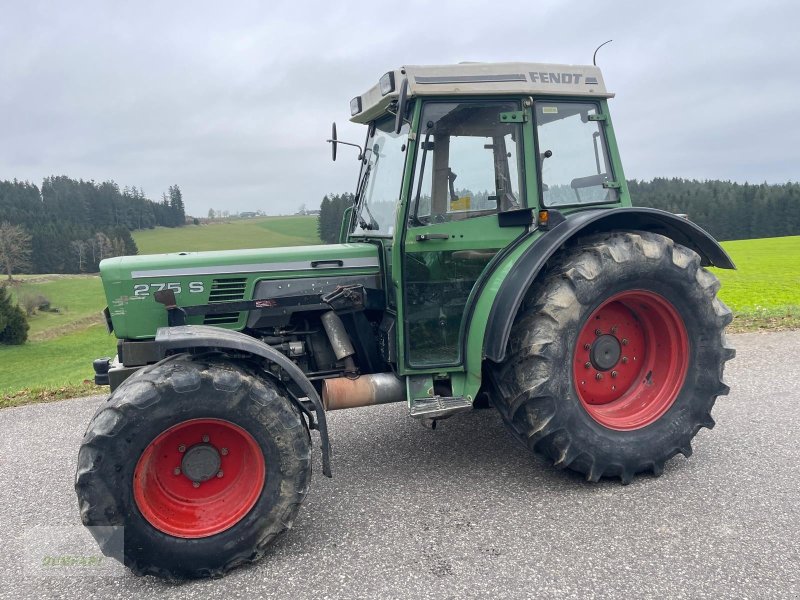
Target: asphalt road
(464, 511)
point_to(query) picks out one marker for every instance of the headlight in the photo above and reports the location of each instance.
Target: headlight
(355, 106)
(387, 83)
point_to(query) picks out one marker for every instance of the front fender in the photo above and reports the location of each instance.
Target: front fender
(187, 337)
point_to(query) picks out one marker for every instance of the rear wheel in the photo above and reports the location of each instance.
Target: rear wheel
(197, 465)
(616, 357)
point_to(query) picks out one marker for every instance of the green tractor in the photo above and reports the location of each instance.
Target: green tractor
(492, 257)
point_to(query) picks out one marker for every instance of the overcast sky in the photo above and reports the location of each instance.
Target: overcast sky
(233, 100)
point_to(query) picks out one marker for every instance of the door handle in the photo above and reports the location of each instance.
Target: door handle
(424, 237)
(334, 262)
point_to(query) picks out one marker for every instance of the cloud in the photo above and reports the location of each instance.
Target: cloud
(234, 102)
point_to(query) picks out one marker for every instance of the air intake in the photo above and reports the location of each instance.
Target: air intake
(225, 290)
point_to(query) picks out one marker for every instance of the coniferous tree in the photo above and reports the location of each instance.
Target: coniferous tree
(64, 217)
(331, 211)
(13, 324)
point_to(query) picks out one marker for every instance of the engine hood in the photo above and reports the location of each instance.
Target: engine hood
(230, 262)
(203, 277)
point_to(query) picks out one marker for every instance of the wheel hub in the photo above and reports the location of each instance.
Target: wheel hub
(199, 477)
(605, 352)
(201, 462)
(631, 359)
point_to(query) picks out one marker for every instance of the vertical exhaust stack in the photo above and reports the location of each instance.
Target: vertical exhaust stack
(378, 388)
(340, 341)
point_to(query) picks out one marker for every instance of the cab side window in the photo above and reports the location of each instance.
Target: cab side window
(573, 160)
(469, 162)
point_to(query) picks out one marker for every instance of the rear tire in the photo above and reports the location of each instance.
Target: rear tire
(616, 356)
(184, 422)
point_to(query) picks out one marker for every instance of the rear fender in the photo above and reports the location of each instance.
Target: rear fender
(495, 309)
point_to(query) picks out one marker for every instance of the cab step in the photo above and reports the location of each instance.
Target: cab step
(439, 406)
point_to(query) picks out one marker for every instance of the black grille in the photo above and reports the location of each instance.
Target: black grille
(225, 290)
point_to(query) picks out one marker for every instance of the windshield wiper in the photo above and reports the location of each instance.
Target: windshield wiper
(415, 220)
(360, 196)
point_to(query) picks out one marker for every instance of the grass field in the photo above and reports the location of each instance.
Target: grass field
(61, 345)
(228, 235)
(764, 293)
(77, 298)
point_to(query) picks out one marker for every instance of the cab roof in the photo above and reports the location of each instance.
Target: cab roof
(512, 78)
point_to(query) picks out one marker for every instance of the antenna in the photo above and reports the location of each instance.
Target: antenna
(594, 56)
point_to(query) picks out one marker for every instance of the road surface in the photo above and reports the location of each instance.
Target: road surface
(464, 512)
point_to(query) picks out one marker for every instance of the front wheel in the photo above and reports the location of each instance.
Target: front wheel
(616, 357)
(192, 467)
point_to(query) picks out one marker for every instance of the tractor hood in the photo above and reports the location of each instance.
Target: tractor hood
(205, 277)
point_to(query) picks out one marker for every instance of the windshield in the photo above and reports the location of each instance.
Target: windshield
(381, 179)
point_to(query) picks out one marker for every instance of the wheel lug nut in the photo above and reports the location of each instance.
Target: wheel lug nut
(613, 373)
(181, 448)
(624, 342)
(220, 473)
(599, 376)
(598, 332)
(177, 470)
(588, 365)
(195, 484)
(205, 439)
(223, 451)
(614, 329)
(587, 346)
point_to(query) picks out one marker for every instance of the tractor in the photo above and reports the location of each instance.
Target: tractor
(492, 258)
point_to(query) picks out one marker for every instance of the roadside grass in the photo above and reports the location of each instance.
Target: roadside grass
(764, 294)
(764, 291)
(263, 232)
(53, 368)
(57, 358)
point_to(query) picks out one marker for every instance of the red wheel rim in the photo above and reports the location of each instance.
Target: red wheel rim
(199, 478)
(631, 359)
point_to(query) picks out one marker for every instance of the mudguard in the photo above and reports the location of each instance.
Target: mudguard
(187, 337)
(525, 270)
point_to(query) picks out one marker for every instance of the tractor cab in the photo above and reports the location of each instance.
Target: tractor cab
(459, 162)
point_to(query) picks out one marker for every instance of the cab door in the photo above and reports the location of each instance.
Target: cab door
(468, 168)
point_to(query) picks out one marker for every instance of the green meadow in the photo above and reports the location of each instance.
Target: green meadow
(262, 232)
(764, 291)
(764, 294)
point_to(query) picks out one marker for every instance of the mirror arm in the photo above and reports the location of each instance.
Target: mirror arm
(360, 151)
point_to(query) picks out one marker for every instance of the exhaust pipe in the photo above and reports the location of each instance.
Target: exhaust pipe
(378, 388)
(340, 341)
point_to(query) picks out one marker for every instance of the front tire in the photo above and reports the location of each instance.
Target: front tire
(616, 356)
(197, 464)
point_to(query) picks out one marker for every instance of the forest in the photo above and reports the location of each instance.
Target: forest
(331, 211)
(728, 211)
(74, 224)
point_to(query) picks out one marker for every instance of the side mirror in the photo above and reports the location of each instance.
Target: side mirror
(333, 141)
(401, 106)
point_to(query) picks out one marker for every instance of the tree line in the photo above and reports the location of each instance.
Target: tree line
(727, 210)
(71, 225)
(331, 211)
